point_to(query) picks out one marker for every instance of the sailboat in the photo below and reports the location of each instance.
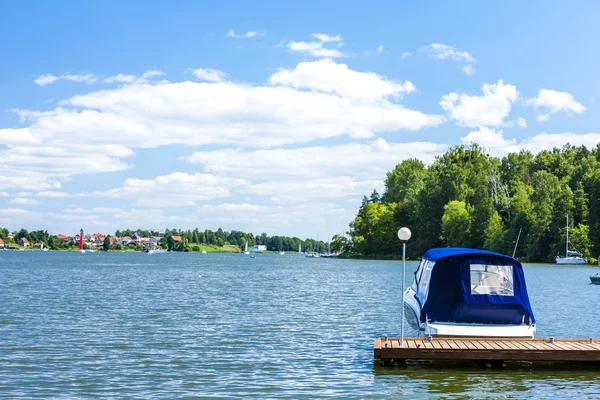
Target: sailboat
(282, 253)
(571, 257)
(300, 248)
(246, 248)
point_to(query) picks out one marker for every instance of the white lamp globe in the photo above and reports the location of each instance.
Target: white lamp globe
(404, 234)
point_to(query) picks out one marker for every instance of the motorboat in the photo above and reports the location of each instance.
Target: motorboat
(469, 292)
(571, 257)
(282, 253)
(595, 278)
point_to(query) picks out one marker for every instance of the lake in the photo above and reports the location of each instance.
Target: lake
(184, 325)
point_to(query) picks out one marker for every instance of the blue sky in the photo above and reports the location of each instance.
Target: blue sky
(270, 117)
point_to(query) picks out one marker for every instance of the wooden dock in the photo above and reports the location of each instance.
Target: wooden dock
(388, 350)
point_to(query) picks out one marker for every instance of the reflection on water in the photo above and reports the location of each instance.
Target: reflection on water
(192, 325)
(522, 382)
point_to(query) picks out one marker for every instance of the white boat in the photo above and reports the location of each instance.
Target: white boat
(468, 292)
(156, 251)
(572, 257)
(203, 251)
(282, 253)
(300, 249)
(246, 248)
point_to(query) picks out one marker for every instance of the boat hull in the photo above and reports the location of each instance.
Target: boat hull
(595, 279)
(571, 260)
(439, 328)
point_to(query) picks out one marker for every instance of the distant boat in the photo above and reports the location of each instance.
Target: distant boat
(571, 257)
(246, 248)
(282, 253)
(203, 251)
(313, 255)
(300, 248)
(595, 278)
(155, 251)
(252, 255)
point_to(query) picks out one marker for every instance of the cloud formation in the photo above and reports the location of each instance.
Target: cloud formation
(488, 110)
(247, 35)
(551, 101)
(209, 74)
(48, 79)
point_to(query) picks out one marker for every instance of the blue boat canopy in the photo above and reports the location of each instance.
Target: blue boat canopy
(471, 286)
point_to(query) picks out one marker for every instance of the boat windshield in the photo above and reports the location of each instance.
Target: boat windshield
(492, 279)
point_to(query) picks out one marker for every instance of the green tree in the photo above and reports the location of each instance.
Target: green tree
(456, 223)
(106, 244)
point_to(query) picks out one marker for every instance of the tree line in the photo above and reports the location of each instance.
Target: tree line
(189, 238)
(468, 198)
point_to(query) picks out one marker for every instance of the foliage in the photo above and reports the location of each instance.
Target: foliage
(468, 198)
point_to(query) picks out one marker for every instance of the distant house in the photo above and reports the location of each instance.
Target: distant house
(11, 235)
(62, 237)
(23, 242)
(259, 247)
(136, 237)
(98, 238)
(114, 241)
(177, 238)
(127, 240)
(38, 245)
(1, 243)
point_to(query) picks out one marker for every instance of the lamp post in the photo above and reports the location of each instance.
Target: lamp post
(403, 235)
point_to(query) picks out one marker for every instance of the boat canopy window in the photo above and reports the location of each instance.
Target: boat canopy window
(492, 279)
(424, 278)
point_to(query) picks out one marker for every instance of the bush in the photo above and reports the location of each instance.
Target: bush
(592, 260)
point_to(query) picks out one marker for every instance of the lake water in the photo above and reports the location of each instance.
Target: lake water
(190, 325)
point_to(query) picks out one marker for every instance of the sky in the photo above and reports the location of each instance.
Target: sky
(271, 116)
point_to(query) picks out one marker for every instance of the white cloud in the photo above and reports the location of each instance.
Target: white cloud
(208, 74)
(4, 194)
(107, 210)
(52, 194)
(468, 70)
(46, 79)
(551, 101)
(323, 37)
(487, 110)
(406, 54)
(361, 161)
(247, 35)
(315, 189)
(24, 201)
(95, 132)
(494, 141)
(330, 77)
(380, 49)
(174, 190)
(144, 78)
(315, 49)
(88, 78)
(521, 122)
(443, 51)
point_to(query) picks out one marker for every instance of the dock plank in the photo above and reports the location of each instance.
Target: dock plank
(488, 349)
